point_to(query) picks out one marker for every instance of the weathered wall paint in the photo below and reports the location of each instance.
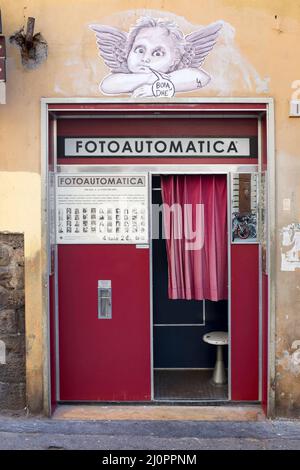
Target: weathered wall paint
(12, 322)
(256, 56)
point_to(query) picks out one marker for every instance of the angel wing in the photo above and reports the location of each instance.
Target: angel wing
(199, 44)
(112, 45)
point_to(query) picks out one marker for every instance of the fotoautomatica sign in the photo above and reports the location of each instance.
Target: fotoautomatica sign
(172, 147)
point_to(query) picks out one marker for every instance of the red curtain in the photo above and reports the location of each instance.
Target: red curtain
(197, 262)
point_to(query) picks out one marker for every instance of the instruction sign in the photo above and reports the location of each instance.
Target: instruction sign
(100, 208)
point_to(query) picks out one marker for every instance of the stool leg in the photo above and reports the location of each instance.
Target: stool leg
(219, 375)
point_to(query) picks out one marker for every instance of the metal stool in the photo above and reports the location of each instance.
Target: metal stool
(219, 339)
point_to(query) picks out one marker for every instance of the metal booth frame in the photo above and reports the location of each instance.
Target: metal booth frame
(85, 105)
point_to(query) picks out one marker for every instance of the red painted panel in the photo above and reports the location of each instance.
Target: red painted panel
(244, 322)
(265, 341)
(104, 360)
(53, 364)
(180, 127)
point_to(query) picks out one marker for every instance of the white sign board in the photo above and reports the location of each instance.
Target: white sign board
(100, 208)
(156, 147)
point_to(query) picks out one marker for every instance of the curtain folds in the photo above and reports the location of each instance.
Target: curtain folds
(195, 226)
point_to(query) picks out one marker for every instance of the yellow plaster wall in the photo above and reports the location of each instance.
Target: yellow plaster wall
(266, 35)
(20, 211)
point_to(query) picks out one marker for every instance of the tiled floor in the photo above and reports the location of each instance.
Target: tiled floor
(187, 385)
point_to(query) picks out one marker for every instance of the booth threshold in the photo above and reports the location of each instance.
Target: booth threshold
(162, 411)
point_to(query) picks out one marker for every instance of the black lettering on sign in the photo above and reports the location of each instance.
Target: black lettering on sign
(217, 148)
(78, 145)
(191, 147)
(160, 146)
(232, 147)
(90, 146)
(113, 146)
(139, 146)
(176, 147)
(127, 147)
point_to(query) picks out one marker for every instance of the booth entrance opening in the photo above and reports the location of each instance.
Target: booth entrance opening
(135, 317)
(183, 359)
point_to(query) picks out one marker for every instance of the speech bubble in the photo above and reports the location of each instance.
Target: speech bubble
(163, 86)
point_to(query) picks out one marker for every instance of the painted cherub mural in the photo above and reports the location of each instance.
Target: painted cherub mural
(154, 58)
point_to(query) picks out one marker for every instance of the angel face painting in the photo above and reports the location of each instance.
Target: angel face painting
(153, 48)
(154, 58)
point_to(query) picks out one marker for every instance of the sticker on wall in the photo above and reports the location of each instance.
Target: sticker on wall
(290, 247)
(154, 58)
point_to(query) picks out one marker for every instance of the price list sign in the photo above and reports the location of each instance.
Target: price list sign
(93, 208)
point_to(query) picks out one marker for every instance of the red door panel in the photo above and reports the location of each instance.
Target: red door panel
(104, 360)
(244, 322)
(52, 325)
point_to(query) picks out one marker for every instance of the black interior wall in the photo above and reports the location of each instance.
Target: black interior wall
(181, 346)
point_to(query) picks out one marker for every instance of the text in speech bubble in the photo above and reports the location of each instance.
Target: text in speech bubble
(162, 87)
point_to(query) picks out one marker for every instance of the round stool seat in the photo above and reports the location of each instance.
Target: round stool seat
(218, 338)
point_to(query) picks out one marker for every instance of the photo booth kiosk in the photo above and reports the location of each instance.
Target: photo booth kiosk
(133, 317)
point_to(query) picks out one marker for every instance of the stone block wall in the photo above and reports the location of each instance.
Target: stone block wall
(12, 322)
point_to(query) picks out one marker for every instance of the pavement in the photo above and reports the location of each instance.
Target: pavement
(38, 433)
